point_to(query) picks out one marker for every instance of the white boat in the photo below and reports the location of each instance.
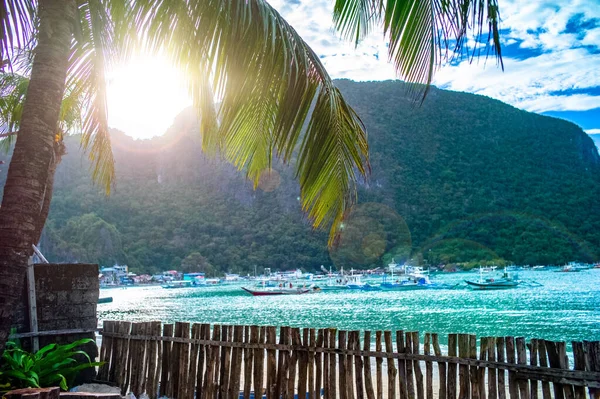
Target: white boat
(179, 284)
(417, 280)
(506, 281)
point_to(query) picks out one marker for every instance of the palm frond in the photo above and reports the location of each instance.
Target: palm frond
(267, 80)
(423, 34)
(13, 89)
(92, 47)
(16, 28)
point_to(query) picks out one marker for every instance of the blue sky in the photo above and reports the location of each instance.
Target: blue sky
(551, 56)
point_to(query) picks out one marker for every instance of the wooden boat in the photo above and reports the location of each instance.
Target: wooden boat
(280, 291)
(506, 281)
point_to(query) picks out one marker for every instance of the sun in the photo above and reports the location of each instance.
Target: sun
(144, 96)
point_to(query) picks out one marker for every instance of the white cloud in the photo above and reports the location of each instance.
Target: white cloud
(593, 131)
(539, 83)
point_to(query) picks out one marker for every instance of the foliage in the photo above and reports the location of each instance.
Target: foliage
(423, 35)
(52, 365)
(462, 178)
(195, 262)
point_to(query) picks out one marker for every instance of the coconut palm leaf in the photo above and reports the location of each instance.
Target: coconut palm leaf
(423, 34)
(16, 28)
(92, 48)
(13, 88)
(267, 81)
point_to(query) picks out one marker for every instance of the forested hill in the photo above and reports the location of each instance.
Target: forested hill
(596, 138)
(460, 178)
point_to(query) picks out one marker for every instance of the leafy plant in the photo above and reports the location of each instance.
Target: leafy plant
(52, 365)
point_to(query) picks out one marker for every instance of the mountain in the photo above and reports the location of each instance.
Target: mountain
(460, 178)
(596, 138)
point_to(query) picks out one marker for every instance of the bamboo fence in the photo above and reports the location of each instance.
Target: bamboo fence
(184, 361)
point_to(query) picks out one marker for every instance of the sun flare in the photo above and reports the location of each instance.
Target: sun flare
(144, 96)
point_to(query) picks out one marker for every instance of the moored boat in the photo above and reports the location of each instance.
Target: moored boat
(415, 281)
(280, 291)
(506, 281)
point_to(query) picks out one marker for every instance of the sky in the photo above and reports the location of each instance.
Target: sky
(551, 54)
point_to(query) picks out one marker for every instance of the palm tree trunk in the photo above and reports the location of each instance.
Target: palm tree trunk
(34, 155)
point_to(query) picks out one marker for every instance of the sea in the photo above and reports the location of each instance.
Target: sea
(566, 307)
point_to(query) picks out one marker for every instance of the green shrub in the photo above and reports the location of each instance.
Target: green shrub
(52, 365)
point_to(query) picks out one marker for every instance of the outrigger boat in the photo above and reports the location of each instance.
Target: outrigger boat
(280, 291)
(415, 281)
(507, 281)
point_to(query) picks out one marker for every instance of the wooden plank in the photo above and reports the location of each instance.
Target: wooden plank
(165, 383)
(312, 393)
(492, 378)
(442, 394)
(114, 353)
(554, 362)
(483, 353)
(473, 374)
(452, 368)
(325, 364)
(212, 366)
(410, 384)
(202, 361)
(350, 368)
(563, 362)
(106, 351)
(319, 373)
(501, 357)
(579, 364)
(533, 360)
(378, 367)
(428, 368)
(223, 384)
(184, 362)
(259, 363)
(391, 367)
(513, 388)
(123, 369)
(332, 365)
(522, 359)
(342, 365)
(293, 364)
(271, 364)
(401, 348)
(127, 362)
(282, 360)
(153, 363)
(303, 365)
(236, 363)
(417, 366)
(358, 366)
(134, 354)
(175, 365)
(250, 336)
(370, 392)
(592, 362)
(541, 349)
(464, 386)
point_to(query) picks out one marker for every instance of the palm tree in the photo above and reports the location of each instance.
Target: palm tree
(275, 97)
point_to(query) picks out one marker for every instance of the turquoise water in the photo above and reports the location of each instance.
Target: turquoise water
(566, 307)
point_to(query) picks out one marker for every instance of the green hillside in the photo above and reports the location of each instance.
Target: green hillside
(461, 178)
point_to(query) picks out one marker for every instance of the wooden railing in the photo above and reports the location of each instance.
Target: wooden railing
(223, 361)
